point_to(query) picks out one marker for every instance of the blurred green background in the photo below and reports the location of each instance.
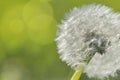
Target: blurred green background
(27, 33)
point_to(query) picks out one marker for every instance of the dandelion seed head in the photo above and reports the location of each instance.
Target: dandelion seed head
(90, 33)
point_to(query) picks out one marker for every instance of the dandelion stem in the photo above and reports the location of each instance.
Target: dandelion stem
(77, 74)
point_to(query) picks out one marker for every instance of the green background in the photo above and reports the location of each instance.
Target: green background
(27, 34)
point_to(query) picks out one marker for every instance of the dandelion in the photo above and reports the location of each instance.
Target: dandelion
(89, 37)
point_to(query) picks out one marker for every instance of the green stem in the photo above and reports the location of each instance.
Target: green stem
(77, 74)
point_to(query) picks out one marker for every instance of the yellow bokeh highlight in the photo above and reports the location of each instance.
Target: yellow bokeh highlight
(34, 8)
(39, 18)
(43, 0)
(17, 26)
(12, 28)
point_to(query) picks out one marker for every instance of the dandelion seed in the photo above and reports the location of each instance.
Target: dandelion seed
(91, 34)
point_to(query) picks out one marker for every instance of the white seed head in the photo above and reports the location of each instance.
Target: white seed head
(91, 34)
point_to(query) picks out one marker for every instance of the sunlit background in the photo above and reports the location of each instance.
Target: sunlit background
(27, 33)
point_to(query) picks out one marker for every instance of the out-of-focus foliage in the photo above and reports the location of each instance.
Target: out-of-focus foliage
(27, 33)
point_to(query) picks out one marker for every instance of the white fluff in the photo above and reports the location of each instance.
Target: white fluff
(73, 48)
